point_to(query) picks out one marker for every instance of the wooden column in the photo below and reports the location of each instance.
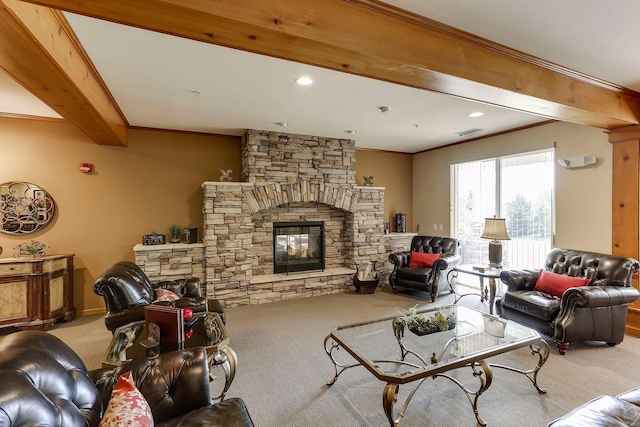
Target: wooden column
(625, 205)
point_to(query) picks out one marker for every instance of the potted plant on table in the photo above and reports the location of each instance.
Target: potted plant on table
(421, 324)
(32, 247)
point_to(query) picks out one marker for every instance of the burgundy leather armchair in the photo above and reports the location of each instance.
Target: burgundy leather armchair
(127, 290)
(44, 383)
(596, 312)
(427, 279)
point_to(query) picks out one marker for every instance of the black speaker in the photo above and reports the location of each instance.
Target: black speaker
(191, 235)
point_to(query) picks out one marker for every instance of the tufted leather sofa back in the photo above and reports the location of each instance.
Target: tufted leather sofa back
(434, 245)
(124, 285)
(600, 269)
(44, 383)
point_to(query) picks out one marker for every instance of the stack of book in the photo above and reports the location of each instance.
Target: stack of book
(170, 321)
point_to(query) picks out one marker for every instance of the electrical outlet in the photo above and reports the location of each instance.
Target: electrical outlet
(440, 227)
(435, 227)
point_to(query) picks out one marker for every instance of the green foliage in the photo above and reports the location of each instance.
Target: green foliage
(420, 321)
(175, 231)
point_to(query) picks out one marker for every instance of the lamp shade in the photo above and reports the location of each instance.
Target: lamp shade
(495, 229)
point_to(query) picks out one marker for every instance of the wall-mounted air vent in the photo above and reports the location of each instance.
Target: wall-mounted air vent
(470, 132)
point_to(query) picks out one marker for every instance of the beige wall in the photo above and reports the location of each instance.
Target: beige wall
(151, 184)
(583, 196)
(394, 172)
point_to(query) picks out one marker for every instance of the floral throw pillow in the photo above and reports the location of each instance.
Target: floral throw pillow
(127, 406)
(165, 295)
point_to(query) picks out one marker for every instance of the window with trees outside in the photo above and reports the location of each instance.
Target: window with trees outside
(518, 188)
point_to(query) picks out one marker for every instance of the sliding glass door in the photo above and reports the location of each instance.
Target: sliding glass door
(518, 188)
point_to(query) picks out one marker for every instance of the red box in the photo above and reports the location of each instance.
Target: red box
(170, 320)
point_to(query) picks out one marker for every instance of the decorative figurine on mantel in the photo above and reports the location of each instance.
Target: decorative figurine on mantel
(226, 175)
(368, 181)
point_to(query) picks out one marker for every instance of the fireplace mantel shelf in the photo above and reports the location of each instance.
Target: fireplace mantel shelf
(251, 185)
(168, 246)
(273, 278)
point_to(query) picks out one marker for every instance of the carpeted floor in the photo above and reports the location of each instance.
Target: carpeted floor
(283, 368)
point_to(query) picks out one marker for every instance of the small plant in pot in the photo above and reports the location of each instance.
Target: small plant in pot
(175, 232)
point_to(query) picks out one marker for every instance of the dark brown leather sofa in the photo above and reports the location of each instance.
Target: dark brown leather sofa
(127, 290)
(44, 383)
(596, 312)
(605, 411)
(427, 279)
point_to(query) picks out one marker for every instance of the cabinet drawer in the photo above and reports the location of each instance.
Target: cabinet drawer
(15, 268)
(54, 265)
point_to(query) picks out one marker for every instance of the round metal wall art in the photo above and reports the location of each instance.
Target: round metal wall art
(24, 207)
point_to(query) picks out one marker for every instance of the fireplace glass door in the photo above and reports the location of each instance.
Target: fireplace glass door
(298, 246)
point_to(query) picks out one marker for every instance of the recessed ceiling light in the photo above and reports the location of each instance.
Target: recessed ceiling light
(476, 114)
(304, 81)
(350, 131)
(283, 124)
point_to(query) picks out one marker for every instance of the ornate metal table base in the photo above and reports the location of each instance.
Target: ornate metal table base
(227, 359)
(487, 293)
(481, 370)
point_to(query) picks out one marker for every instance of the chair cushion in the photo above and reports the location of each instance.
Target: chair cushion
(414, 274)
(534, 303)
(229, 412)
(556, 284)
(419, 259)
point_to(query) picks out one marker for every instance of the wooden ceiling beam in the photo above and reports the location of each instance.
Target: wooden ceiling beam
(39, 50)
(376, 40)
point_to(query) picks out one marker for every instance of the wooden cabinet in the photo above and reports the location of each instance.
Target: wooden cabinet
(36, 292)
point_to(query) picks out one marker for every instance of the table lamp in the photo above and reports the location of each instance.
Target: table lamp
(496, 230)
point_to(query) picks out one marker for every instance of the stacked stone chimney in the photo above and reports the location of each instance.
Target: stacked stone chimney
(289, 178)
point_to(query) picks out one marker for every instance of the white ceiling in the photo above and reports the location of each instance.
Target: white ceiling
(160, 81)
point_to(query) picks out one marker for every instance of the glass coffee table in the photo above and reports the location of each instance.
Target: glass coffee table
(208, 332)
(395, 355)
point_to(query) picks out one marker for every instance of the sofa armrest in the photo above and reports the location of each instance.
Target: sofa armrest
(173, 383)
(400, 259)
(598, 296)
(519, 280)
(601, 411)
(447, 261)
(592, 296)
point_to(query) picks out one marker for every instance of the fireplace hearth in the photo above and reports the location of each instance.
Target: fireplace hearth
(298, 246)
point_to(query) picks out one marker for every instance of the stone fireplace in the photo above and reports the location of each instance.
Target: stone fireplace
(289, 179)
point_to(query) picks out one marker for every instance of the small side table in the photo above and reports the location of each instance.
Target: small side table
(482, 272)
(209, 332)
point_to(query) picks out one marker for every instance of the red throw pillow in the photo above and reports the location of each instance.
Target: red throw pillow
(127, 406)
(420, 259)
(556, 284)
